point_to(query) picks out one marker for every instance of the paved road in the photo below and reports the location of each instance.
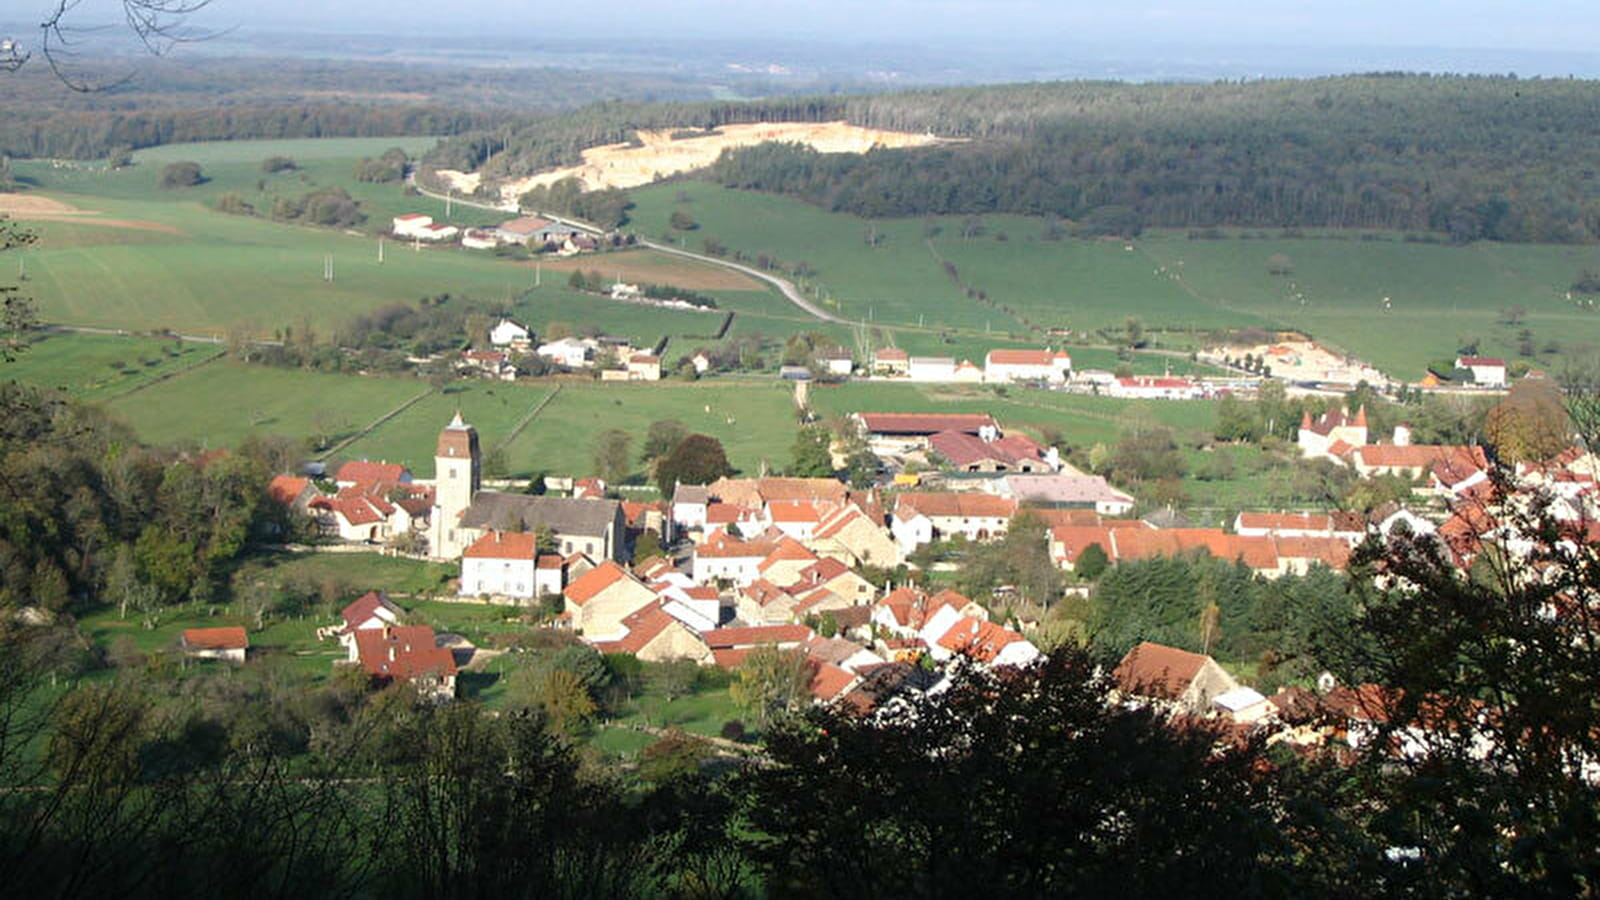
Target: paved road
(784, 286)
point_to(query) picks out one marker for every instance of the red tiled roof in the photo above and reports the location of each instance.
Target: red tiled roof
(1156, 670)
(756, 636)
(724, 546)
(286, 489)
(1470, 361)
(1019, 357)
(793, 511)
(963, 449)
(365, 608)
(1418, 456)
(788, 550)
(977, 639)
(501, 545)
(823, 570)
(364, 471)
(226, 638)
(595, 581)
(1332, 551)
(828, 681)
(413, 647)
(962, 505)
(1286, 521)
(892, 354)
(643, 625)
(549, 561)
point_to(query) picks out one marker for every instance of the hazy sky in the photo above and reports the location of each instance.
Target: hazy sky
(1490, 24)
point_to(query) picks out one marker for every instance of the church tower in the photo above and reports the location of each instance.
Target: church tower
(456, 471)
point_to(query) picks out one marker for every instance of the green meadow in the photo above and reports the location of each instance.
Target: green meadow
(1333, 286)
(97, 368)
(222, 403)
(139, 257)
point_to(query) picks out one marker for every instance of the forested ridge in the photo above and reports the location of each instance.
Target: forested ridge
(146, 103)
(1496, 158)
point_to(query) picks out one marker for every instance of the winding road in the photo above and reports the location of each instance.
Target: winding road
(784, 285)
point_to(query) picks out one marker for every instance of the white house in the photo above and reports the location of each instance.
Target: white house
(1146, 387)
(1000, 366)
(725, 558)
(932, 368)
(509, 334)
(568, 351)
(434, 232)
(501, 565)
(836, 360)
(478, 239)
(411, 224)
(1489, 371)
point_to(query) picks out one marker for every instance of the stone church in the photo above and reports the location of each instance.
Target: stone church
(464, 512)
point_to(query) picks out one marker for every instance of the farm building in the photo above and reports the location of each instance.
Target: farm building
(931, 368)
(410, 224)
(1026, 365)
(1488, 371)
(904, 432)
(891, 361)
(227, 644)
(1145, 387)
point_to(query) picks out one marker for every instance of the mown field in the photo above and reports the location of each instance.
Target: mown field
(128, 254)
(1332, 287)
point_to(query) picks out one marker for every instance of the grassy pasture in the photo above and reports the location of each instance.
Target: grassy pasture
(221, 404)
(138, 257)
(1439, 293)
(96, 368)
(753, 419)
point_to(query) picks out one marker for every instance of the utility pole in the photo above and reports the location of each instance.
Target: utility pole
(327, 268)
(449, 195)
(538, 271)
(380, 251)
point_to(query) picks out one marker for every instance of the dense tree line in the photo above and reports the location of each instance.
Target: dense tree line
(1221, 607)
(606, 208)
(1472, 157)
(94, 134)
(91, 516)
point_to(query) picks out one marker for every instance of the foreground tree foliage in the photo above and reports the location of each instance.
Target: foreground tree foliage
(1496, 700)
(1014, 784)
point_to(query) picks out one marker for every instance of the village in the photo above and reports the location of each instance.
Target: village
(830, 574)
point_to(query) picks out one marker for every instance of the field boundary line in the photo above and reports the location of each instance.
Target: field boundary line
(374, 426)
(166, 376)
(527, 418)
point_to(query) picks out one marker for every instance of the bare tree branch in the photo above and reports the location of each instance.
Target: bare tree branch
(159, 25)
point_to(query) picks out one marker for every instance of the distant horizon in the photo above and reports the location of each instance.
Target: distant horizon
(938, 42)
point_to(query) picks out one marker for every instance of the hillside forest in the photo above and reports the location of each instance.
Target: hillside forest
(1476, 158)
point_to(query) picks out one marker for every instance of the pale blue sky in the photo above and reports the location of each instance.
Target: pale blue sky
(1492, 24)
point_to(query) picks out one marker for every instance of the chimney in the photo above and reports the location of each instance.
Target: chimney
(391, 653)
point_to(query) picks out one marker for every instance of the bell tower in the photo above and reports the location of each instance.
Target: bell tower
(456, 472)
